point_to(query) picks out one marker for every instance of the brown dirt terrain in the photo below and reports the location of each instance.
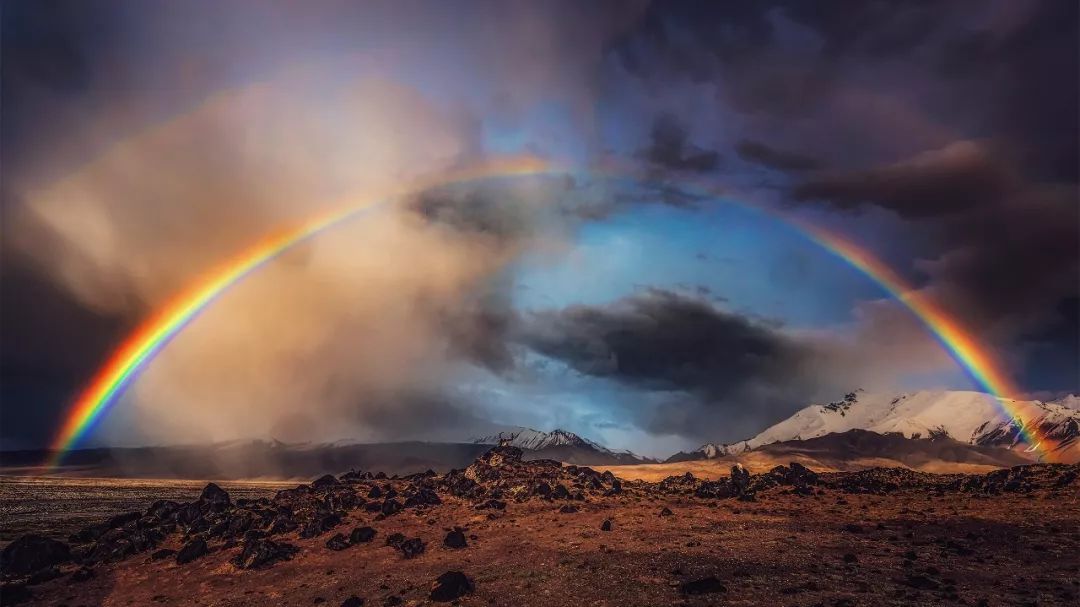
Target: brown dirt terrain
(787, 537)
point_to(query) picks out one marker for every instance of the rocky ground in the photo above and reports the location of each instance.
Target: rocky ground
(508, 532)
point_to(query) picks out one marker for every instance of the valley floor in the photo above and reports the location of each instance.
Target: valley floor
(918, 545)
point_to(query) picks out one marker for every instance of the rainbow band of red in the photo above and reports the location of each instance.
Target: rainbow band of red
(155, 333)
(976, 360)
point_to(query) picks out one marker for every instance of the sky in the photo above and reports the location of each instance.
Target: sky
(658, 295)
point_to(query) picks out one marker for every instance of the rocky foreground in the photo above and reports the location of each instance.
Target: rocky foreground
(509, 532)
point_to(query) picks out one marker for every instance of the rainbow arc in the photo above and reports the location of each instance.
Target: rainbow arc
(151, 337)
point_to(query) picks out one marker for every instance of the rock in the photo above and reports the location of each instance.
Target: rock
(319, 525)
(261, 553)
(213, 494)
(82, 574)
(122, 519)
(492, 505)
(43, 575)
(707, 585)
(455, 539)
(14, 594)
(391, 506)
(412, 547)
(568, 509)
(352, 601)
(338, 542)
(164, 553)
(32, 552)
(606, 525)
(395, 539)
(192, 550)
(361, 535)
(450, 586)
(850, 558)
(666, 512)
(283, 524)
(392, 601)
(325, 482)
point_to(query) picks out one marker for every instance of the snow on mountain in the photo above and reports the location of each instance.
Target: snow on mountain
(970, 417)
(555, 441)
(1069, 401)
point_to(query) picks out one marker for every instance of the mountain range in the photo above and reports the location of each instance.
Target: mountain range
(971, 418)
(562, 446)
(928, 430)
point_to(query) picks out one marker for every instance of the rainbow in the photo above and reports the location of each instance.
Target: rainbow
(154, 334)
(974, 358)
(142, 345)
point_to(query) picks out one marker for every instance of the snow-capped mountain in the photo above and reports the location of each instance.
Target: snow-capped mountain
(1069, 401)
(969, 417)
(561, 445)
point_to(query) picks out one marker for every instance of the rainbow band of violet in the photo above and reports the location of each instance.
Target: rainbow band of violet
(155, 333)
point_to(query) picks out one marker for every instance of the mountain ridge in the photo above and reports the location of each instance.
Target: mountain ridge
(974, 418)
(561, 445)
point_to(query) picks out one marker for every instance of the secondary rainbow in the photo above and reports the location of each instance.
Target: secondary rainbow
(155, 333)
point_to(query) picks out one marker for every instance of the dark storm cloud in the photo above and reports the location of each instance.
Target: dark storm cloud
(709, 362)
(478, 330)
(960, 177)
(50, 344)
(773, 158)
(960, 118)
(670, 149)
(664, 340)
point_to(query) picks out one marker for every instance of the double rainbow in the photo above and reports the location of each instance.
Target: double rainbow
(155, 333)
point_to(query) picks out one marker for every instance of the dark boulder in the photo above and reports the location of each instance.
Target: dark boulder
(606, 525)
(43, 575)
(395, 539)
(412, 547)
(283, 524)
(353, 601)
(212, 494)
(361, 535)
(122, 519)
(32, 552)
(450, 586)
(708, 585)
(320, 525)
(82, 574)
(455, 539)
(665, 511)
(423, 497)
(263, 553)
(568, 509)
(338, 542)
(164, 553)
(14, 594)
(391, 506)
(192, 550)
(324, 482)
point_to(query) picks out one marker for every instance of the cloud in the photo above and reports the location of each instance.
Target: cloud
(670, 149)
(770, 157)
(713, 366)
(959, 177)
